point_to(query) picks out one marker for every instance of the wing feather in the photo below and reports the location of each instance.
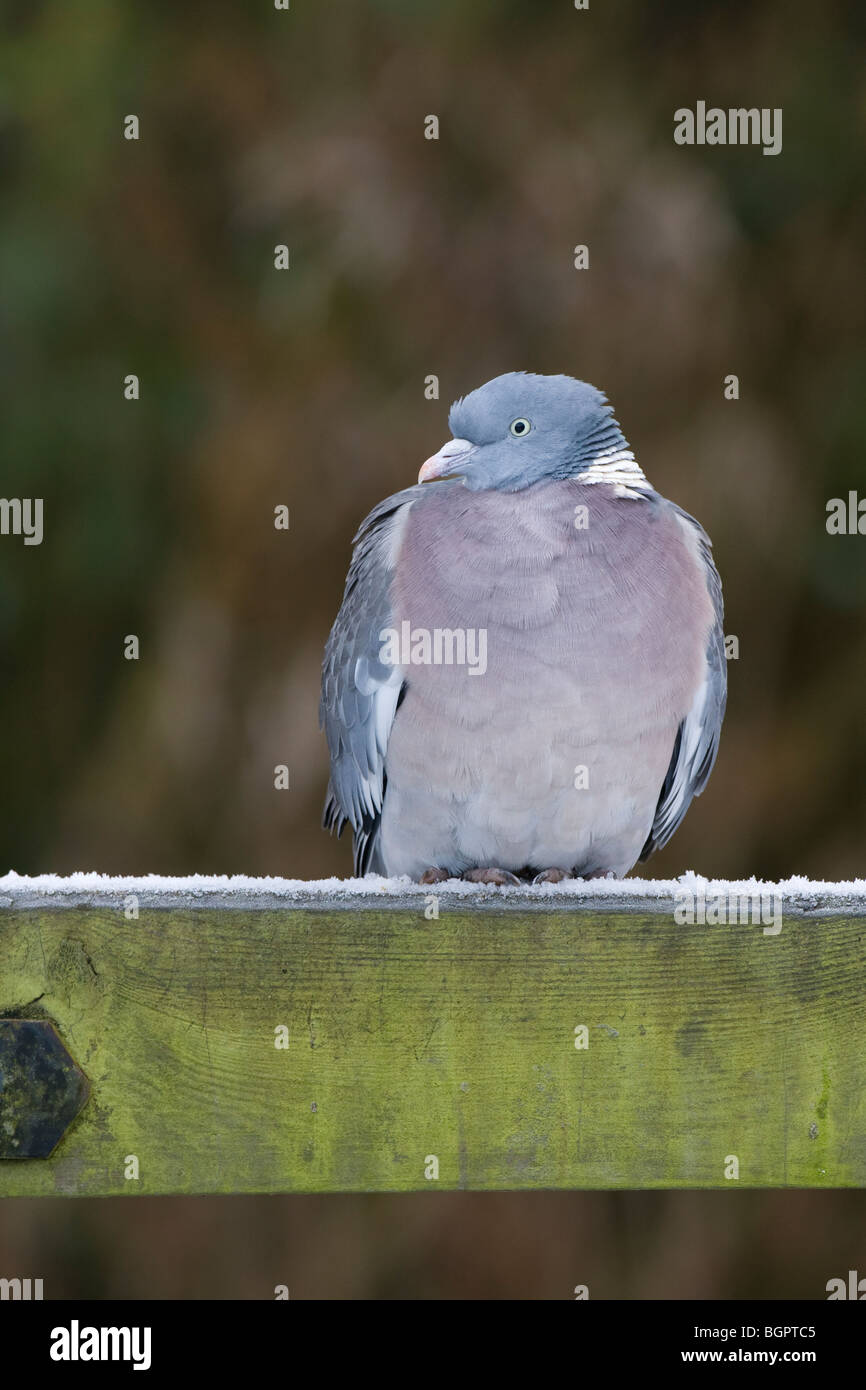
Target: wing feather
(360, 693)
(697, 738)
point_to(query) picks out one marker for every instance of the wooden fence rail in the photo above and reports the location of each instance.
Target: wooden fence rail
(258, 1041)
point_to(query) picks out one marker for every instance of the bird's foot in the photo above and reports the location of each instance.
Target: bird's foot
(434, 876)
(497, 876)
(551, 876)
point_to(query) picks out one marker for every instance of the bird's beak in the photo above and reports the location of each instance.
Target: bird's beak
(448, 460)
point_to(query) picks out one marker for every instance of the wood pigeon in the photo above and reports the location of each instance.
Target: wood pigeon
(526, 678)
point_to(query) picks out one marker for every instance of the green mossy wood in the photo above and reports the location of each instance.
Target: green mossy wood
(453, 1038)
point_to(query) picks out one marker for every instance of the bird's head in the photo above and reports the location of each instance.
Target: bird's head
(520, 429)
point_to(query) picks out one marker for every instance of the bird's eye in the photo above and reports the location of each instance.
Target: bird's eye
(520, 426)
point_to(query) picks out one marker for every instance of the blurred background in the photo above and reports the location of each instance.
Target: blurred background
(306, 388)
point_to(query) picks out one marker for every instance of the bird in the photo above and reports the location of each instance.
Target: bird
(526, 679)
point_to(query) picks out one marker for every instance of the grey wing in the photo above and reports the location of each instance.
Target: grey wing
(360, 694)
(697, 739)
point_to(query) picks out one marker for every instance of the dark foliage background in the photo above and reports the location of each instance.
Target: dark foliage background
(306, 387)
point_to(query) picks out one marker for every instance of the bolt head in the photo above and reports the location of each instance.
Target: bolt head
(42, 1088)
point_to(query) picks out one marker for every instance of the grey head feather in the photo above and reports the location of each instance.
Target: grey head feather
(570, 424)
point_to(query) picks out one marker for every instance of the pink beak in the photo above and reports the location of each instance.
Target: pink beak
(447, 461)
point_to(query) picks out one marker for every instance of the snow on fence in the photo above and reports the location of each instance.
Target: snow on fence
(268, 1035)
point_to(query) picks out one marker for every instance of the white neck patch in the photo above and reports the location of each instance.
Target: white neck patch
(620, 468)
